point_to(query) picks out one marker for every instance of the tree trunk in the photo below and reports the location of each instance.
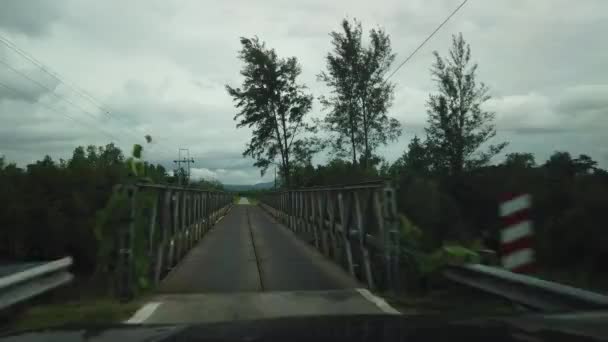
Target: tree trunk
(352, 139)
(365, 137)
(286, 149)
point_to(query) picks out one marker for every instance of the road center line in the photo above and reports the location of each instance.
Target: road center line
(255, 252)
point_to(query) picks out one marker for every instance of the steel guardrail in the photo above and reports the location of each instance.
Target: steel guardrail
(33, 281)
(528, 291)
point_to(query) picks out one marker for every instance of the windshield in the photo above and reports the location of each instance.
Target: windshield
(220, 161)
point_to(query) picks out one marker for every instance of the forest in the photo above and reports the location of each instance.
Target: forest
(449, 180)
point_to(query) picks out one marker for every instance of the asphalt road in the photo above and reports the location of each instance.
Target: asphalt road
(248, 251)
(250, 267)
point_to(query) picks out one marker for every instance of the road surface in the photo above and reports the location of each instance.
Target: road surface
(249, 266)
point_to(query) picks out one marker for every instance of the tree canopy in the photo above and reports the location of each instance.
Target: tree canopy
(458, 126)
(360, 97)
(273, 104)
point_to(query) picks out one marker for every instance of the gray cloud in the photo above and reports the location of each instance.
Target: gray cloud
(161, 68)
(33, 18)
(14, 86)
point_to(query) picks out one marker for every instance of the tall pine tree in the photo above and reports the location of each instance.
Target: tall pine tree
(360, 98)
(458, 126)
(274, 104)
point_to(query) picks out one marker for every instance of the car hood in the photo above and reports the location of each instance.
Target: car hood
(584, 326)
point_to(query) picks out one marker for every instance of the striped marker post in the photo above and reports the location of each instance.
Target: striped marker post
(517, 254)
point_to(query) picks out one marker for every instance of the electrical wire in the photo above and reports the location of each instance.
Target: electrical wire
(51, 73)
(427, 39)
(82, 93)
(82, 123)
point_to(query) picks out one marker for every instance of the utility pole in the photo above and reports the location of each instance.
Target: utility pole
(186, 160)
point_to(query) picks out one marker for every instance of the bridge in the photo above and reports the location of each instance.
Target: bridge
(215, 260)
(302, 252)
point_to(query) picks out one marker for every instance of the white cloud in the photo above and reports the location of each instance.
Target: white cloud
(202, 173)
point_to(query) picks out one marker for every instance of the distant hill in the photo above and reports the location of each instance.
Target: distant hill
(245, 187)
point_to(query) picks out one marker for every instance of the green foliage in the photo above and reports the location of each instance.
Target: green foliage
(55, 209)
(336, 171)
(422, 260)
(273, 104)
(83, 312)
(519, 160)
(213, 184)
(457, 125)
(137, 151)
(417, 160)
(109, 219)
(360, 96)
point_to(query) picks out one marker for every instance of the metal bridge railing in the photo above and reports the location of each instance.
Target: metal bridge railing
(175, 221)
(355, 225)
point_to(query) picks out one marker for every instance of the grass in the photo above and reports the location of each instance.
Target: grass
(460, 302)
(83, 312)
(236, 199)
(85, 301)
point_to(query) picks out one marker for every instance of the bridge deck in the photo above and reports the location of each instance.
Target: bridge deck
(248, 251)
(250, 267)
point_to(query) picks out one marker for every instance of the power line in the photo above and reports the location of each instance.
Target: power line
(51, 73)
(427, 39)
(17, 92)
(51, 91)
(82, 93)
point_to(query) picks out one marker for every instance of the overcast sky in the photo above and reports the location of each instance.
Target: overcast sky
(161, 66)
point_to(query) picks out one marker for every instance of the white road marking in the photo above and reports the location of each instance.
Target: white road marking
(143, 313)
(379, 302)
(517, 204)
(516, 232)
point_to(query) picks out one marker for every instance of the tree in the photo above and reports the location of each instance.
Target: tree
(560, 163)
(273, 103)
(584, 164)
(360, 96)
(458, 127)
(520, 160)
(415, 160)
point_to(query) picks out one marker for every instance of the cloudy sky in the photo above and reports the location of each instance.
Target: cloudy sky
(160, 68)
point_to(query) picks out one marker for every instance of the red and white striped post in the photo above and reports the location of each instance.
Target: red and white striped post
(517, 254)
